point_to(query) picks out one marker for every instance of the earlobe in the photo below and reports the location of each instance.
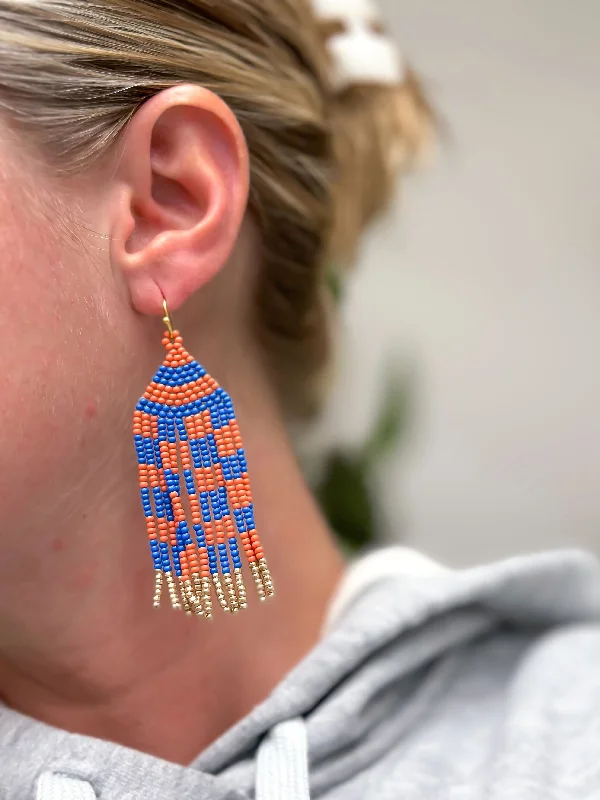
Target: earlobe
(180, 195)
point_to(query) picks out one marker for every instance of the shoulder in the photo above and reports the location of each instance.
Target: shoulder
(563, 664)
(551, 719)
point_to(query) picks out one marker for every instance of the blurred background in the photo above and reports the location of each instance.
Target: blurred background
(481, 293)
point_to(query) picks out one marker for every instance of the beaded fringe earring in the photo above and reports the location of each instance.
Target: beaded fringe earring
(186, 434)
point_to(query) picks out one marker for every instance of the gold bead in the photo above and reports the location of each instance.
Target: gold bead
(158, 587)
(254, 568)
(193, 600)
(206, 597)
(241, 589)
(230, 589)
(220, 594)
(266, 577)
(173, 592)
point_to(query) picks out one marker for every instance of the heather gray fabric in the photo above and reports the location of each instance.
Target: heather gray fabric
(461, 686)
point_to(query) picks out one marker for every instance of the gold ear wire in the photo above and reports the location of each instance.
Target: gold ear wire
(167, 319)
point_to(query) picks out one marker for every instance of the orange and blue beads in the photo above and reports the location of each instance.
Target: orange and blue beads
(195, 489)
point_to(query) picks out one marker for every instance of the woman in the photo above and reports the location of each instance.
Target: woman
(219, 158)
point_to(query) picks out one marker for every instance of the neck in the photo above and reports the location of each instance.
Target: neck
(88, 653)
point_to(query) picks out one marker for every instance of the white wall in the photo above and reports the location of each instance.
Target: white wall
(490, 275)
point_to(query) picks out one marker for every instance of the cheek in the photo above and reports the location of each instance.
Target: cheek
(59, 359)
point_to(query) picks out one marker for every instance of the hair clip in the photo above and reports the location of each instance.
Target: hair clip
(361, 51)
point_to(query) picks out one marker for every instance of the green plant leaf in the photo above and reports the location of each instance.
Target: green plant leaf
(335, 282)
(392, 420)
(345, 492)
(346, 502)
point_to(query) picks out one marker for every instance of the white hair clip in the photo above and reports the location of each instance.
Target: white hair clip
(361, 52)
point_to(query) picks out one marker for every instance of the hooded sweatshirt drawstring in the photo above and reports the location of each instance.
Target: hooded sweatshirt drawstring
(282, 767)
(52, 786)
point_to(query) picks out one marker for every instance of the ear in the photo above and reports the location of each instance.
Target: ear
(180, 195)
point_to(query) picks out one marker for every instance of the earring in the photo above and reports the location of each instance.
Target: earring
(186, 435)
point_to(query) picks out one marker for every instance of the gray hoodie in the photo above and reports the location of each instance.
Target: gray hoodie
(428, 684)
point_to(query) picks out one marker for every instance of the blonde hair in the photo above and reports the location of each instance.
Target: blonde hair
(322, 164)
